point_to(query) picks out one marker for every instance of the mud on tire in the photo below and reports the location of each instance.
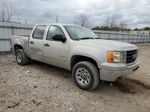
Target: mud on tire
(21, 57)
(86, 75)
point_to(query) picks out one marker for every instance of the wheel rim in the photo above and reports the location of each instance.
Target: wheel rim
(83, 77)
(19, 57)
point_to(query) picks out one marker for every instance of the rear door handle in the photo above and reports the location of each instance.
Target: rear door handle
(31, 42)
(47, 45)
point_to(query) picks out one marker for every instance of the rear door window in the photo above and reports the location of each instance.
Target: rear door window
(39, 32)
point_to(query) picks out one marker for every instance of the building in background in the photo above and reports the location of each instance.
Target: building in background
(146, 32)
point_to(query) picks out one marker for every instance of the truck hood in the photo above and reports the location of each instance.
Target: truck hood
(106, 44)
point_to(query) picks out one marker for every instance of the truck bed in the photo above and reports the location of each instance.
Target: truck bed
(20, 40)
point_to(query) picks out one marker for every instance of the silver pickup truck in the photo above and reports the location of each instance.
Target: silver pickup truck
(79, 50)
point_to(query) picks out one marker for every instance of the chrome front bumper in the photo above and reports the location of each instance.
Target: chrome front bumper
(112, 71)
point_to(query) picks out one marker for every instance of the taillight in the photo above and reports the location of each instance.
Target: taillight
(10, 45)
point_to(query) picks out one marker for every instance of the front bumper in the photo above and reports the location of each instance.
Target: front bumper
(113, 71)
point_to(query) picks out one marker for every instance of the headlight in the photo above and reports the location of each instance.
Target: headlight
(115, 57)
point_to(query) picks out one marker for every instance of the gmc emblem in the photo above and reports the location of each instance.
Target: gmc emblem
(134, 56)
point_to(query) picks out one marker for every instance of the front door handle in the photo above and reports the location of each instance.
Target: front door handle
(31, 42)
(47, 45)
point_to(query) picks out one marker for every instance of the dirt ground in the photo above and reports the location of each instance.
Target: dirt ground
(39, 87)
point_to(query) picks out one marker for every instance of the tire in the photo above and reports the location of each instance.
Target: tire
(21, 57)
(86, 75)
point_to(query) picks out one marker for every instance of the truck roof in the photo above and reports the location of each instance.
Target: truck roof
(60, 24)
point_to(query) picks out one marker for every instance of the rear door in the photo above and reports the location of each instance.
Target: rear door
(36, 42)
(55, 52)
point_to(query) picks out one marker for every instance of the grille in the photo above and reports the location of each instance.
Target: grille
(131, 56)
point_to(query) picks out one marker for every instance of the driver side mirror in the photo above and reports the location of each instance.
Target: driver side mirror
(59, 38)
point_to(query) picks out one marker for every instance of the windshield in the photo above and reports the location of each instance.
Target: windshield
(80, 33)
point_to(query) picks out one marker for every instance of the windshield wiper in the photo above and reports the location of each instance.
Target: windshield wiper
(89, 38)
(86, 38)
(97, 38)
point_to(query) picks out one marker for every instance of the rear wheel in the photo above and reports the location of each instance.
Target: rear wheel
(21, 57)
(86, 75)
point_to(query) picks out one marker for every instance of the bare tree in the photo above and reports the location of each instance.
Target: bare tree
(107, 22)
(6, 10)
(110, 22)
(123, 25)
(83, 20)
(113, 22)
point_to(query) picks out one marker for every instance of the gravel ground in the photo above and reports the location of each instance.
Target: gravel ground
(39, 87)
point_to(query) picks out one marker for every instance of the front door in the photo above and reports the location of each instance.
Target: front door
(55, 52)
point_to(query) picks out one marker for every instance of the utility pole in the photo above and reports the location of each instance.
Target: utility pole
(3, 16)
(56, 19)
(25, 21)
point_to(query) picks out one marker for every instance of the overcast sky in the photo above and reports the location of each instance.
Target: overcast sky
(136, 13)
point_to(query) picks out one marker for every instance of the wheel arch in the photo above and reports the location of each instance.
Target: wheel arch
(16, 47)
(78, 58)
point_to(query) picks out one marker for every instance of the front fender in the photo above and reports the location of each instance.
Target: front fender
(99, 55)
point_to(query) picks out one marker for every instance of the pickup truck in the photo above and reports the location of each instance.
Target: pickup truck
(79, 50)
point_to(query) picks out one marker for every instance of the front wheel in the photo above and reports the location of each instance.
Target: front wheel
(21, 57)
(86, 75)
